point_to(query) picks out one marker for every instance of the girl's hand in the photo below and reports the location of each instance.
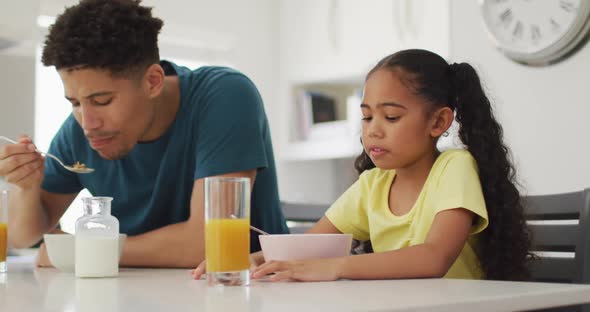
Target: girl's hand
(42, 259)
(199, 270)
(256, 259)
(305, 270)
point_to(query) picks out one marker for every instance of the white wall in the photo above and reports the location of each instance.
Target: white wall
(17, 94)
(544, 111)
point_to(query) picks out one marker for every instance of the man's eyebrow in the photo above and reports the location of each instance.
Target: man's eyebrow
(99, 93)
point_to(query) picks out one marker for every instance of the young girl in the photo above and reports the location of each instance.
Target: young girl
(453, 214)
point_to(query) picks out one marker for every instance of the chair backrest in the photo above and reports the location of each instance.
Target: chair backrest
(301, 217)
(561, 236)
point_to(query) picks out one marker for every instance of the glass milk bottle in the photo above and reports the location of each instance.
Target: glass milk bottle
(97, 239)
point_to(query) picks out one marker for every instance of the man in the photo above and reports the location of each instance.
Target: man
(151, 130)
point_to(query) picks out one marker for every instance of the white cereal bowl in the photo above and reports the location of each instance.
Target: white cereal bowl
(61, 250)
(284, 247)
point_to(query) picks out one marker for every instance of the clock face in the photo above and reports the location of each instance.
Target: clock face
(536, 31)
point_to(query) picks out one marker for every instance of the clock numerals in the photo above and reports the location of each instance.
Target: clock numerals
(539, 32)
(506, 17)
(518, 29)
(535, 33)
(554, 25)
(567, 6)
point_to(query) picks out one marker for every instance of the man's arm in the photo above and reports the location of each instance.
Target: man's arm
(176, 245)
(34, 212)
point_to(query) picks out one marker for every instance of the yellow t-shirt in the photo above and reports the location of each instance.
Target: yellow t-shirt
(453, 182)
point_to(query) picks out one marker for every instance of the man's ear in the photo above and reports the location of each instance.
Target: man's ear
(154, 80)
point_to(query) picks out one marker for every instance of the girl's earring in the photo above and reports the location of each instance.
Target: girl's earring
(446, 134)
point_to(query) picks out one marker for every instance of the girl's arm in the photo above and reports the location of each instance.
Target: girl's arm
(324, 226)
(433, 258)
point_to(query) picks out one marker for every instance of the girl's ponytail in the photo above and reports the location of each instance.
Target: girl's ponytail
(505, 243)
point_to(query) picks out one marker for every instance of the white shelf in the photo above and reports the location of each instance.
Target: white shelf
(334, 148)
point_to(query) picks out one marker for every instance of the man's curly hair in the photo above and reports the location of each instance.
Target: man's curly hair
(120, 36)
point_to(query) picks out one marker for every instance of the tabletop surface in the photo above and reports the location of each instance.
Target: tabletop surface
(26, 288)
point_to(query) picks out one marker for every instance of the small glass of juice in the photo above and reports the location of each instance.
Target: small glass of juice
(227, 234)
(3, 229)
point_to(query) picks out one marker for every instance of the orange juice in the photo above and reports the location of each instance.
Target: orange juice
(227, 245)
(3, 241)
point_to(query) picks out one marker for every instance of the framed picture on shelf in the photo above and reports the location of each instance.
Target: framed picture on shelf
(318, 112)
(323, 115)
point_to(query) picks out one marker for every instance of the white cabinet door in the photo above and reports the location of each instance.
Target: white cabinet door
(366, 32)
(323, 40)
(306, 40)
(423, 24)
(343, 39)
(371, 30)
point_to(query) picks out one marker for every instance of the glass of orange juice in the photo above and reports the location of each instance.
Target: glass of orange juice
(3, 229)
(227, 233)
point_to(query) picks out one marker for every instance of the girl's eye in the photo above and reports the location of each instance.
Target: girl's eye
(367, 118)
(392, 118)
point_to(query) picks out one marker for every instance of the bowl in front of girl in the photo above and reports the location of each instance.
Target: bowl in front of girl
(286, 247)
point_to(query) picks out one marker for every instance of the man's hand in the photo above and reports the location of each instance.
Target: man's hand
(42, 260)
(21, 165)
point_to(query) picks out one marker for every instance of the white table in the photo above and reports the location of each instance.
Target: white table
(25, 288)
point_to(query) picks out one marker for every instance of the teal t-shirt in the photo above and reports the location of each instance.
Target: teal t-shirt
(221, 127)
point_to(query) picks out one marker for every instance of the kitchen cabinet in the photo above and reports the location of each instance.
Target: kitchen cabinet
(332, 39)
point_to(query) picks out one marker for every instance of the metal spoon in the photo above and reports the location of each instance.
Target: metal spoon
(70, 168)
(253, 228)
